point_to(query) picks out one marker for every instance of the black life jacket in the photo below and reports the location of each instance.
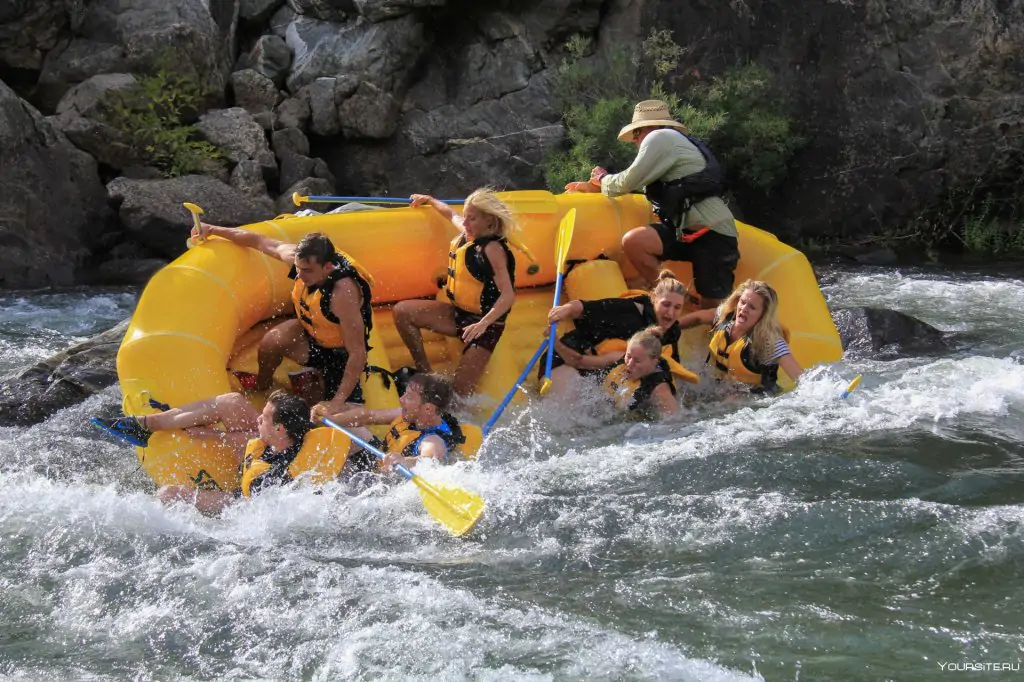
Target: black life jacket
(674, 198)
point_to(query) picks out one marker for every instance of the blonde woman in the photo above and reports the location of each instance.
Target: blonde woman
(642, 382)
(747, 342)
(603, 327)
(480, 288)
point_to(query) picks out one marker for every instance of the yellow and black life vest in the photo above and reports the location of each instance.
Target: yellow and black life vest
(615, 319)
(313, 304)
(736, 359)
(321, 456)
(673, 367)
(634, 394)
(470, 285)
(403, 438)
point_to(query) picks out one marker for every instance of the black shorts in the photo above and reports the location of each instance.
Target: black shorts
(714, 257)
(331, 362)
(489, 339)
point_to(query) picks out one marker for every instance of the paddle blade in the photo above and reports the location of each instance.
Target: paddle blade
(565, 230)
(545, 386)
(457, 509)
(298, 199)
(853, 385)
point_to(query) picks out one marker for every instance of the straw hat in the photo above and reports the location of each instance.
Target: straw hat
(650, 113)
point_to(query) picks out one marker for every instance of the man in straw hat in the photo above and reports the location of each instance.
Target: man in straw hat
(682, 178)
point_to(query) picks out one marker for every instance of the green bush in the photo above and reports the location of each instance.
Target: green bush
(985, 233)
(740, 115)
(152, 116)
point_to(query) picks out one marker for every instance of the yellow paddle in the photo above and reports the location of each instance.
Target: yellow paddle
(196, 212)
(565, 231)
(853, 385)
(457, 509)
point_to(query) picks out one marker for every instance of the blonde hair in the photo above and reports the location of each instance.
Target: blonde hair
(649, 339)
(667, 284)
(487, 202)
(767, 330)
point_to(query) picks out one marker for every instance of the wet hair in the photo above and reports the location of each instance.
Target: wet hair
(291, 412)
(434, 389)
(649, 339)
(317, 247)
(767, 331)
(667, 284)
(487, 202)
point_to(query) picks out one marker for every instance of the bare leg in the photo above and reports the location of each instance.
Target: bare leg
(287, 339)
(470, 369)
(208, 502)
(230, 409)
(642, 246)
(412, 316)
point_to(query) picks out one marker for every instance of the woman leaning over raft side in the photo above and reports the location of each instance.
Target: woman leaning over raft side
(748, 344)
(603, 326)
(480, 288)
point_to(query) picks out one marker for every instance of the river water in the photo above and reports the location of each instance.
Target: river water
(800, 538)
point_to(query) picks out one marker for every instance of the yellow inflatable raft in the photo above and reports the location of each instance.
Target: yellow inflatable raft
(204, 314)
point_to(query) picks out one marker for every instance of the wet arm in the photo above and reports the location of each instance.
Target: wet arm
(272, 247)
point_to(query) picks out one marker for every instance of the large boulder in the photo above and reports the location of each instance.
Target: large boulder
(30, 395)
(254, 92)
(52, 205)
(82, 115)
(31, 28)
(880, 332)
(151, 210)
(239, 137)
(73, 62)
(380, 10)
(258, 11)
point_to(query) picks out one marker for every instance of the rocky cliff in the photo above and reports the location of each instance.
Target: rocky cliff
(902, 101)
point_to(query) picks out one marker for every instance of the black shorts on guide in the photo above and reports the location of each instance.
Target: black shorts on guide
(714, 257)
(331, 364)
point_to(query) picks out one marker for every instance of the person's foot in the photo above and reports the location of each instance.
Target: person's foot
(247, 380)
(128, 429)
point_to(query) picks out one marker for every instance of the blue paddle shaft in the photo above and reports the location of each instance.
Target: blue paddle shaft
(359, 441)
(377, 200)
(551, 332)
(508, 398)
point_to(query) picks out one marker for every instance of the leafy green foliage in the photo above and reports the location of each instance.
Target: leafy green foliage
(152, 116)
(985, 233)
(740, 115)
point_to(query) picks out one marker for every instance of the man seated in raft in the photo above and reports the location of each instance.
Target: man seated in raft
(603, 326)
(420, 428)
(480, 288)
(748, 345)
(279, 431)
(331, 332)
(641, 383)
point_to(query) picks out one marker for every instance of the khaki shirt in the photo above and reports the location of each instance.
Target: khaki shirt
(667, 155)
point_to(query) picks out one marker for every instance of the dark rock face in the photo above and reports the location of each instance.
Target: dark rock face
(52, 205)
(151, 210)
(32, 394)
(882, 332)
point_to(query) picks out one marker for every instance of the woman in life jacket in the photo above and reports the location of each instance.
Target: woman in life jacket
(604, 325)
(266, 442)
(480, 288)
(420, 428)
(748, 345)
(642, 383)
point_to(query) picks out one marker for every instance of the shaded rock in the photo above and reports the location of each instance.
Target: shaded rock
(293, 113)
(74, 62)
(324, 96)
(125, 271)
(253, 91)
(877, 257)
(305, 187)
(266, 119)
(884, 332)
(289, 141)
(51, 200)
(368, 112)
(270, 56)
(151, 210)
(247, 177)
(30, 395)
(380, 10)
(258, 11)
(238, 136)
(295, 167)
(91, 97)
(31, 28)
(384, 53)
(326, 10)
